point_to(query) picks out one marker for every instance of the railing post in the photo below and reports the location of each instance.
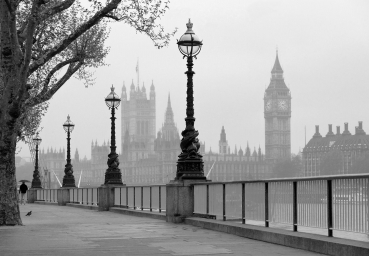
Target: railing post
(243, 203)
(82, 196)
(224, 203)
(127, 198)
(295, 206)
(120, 197)
(329, 208)
(266, 205)
(134, 198)
(92, 196)
(87, 197)
(150, 199)
(142, 200)
(159, 198)
(207, 199)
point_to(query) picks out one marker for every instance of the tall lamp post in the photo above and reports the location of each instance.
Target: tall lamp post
(113, 175)
(36, 182)
(190, 164)
(68, 179)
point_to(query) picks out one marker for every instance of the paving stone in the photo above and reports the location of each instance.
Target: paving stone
(63, 231)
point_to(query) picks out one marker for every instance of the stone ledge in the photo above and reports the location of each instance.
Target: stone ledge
(84, 206)
(137, 213)
(304, 241)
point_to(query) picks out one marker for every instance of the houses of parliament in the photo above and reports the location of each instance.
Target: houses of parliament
(150, 156)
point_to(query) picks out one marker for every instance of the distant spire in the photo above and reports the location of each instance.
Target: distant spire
(124, 87)
(223, 135)
(169, 116)
(254, 153)
(277, 66)
(247, 153)
(152, 87)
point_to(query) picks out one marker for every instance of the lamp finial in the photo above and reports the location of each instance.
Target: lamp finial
(189, 24)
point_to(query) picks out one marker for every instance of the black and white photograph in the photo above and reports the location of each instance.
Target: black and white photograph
(197, 127)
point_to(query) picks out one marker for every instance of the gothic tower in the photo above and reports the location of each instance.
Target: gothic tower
(223, 143)
(138, 122)
(277, 114)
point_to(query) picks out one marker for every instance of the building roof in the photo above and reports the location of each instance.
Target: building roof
(344, 141)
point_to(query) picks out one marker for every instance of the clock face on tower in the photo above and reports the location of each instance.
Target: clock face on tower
(282, 105)
(268, 105)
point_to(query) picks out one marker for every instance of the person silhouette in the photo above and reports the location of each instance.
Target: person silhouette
(22, 191)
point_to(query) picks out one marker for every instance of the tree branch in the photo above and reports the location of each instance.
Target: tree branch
(57, 8)
(47, 95)
(79, 31)
(10, 9)
(113, 17)
(29, 40)
(54, 70)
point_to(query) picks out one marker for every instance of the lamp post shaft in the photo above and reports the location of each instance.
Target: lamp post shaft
(68, 179)
(68, 147)
(36, 182)
(190, 164)
(113, 176)
(190, 112)
(112, 145)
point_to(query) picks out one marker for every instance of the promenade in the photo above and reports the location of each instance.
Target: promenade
(56, 230)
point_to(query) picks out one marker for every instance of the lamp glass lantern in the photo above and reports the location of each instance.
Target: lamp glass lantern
(37, 139)
(189, 44)
(68, 125)
(112, 100)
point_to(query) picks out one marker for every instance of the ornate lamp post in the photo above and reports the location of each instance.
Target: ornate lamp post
(113, 174)
(36, 182)
(68, 179)
(190, 164)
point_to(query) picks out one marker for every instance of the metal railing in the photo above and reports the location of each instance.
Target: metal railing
(48, 195)
(86, 196)
(145, 197)
(327, 202)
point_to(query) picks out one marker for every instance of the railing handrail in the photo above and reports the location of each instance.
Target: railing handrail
(326, 177)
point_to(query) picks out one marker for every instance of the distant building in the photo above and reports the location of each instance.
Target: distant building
(236, 165)
(336, 152)
(160, 165)
(138, 121)
(277, 114)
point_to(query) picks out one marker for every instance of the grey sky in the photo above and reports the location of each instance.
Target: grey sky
(323, 49)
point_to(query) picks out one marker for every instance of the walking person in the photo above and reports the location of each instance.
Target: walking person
(22, 191)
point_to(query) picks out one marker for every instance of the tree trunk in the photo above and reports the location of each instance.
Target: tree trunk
(10, 109)
(9, 208)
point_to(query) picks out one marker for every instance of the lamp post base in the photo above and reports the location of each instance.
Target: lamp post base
(113, 176)
(69, 182)
(190, 170)
(36, 184)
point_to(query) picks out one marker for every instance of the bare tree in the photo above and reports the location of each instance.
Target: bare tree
(43, 43)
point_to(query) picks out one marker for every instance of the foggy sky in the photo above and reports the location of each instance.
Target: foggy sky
(323, 49)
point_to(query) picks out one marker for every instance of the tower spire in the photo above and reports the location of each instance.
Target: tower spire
(169, 117)
(277, 68)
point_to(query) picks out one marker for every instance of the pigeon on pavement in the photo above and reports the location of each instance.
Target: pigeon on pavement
(29, 213)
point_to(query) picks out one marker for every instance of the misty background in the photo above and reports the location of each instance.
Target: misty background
(323, 48)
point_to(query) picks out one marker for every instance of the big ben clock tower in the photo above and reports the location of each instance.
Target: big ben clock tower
(277, 114)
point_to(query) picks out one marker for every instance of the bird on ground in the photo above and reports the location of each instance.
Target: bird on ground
(29, 213)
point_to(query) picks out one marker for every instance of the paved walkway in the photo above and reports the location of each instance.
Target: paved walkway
(56, 230)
